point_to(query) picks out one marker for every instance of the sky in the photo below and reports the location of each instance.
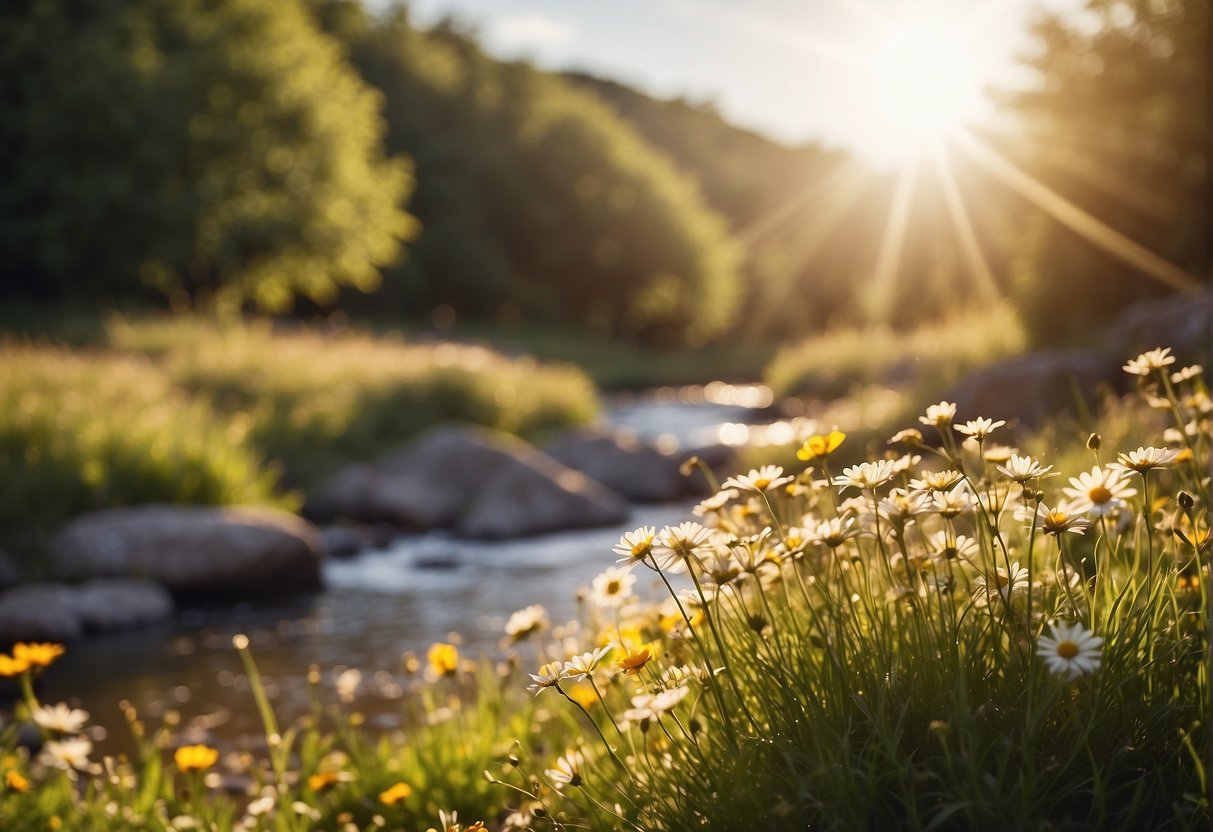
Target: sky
(796, 70)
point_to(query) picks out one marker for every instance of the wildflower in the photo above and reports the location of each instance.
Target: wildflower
(676, 545)
(526, 622)
(567, 770)
(1070, 650)
(634, 661)
(580, 667)
(1023, 469)
(1144, 459)
(1099, 491)
(262, 805)
(900, 505)
(833, 531)
(1001, 583)
(946, 546)
(936, 480)
(635, 546)
(870, 475)
(37, 655)
(953, 503)
(998, 454)
(443, 658)
(612, 588)
(1149, 361)
(712, 504)
(650, 706)
(393, 795)
(939, 415)
(1187, 373)
(322, 780)
(10, 666)
(67, 754)
(766, 478)
(195, 757)
(60, 718)
(549, 675)
(909, 436)
(979, 428)
(14, 780)
(820, 445)
(1055, 521)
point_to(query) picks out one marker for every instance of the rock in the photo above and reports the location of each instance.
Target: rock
(106, 604)
(534, 494)
(39, 612)
(468, 478)
(639, 472)
(1030, 389)
(1182, 321)
(9, 576)
(340, 541)
(194, 551)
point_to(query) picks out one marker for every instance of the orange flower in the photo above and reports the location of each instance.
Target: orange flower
(321, 781)
(443, 658)
(37, 655)
(12, 667)
(195, 757)
(634, 661)
(395, 794)
(16, 782)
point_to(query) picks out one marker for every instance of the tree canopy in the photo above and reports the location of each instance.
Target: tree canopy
(222, 149)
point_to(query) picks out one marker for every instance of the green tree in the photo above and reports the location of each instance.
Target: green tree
(219, 148)
(1117, 121)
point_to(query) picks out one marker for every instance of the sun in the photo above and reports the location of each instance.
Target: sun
(925, 82)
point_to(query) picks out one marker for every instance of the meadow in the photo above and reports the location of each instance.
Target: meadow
(192, 410)
(949, 635)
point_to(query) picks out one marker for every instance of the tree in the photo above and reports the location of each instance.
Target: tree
(222, 149)
(1117, 122)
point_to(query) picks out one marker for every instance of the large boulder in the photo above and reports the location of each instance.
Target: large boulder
(60, 612)
(1183, 322)
(1030, 389)
(456, 477)
(639, 472)
(534, 494)
(195, 551)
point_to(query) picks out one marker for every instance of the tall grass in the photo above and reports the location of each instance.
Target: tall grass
(947, 638)
(931, 356)
(187, 410)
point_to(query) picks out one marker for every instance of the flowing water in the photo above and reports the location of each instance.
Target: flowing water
(377, 605)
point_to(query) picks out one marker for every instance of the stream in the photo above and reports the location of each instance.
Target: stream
(385, 602)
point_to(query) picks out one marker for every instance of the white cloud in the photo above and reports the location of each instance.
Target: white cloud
(532, 29)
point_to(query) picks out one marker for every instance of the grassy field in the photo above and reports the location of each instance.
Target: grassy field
(187, 410)
(946, 637)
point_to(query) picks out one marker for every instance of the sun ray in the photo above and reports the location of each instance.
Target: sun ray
(769, 223)
(962, 224)
(880, 295)
(1076, 219)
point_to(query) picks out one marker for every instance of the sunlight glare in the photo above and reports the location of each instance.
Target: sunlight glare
(925, 81)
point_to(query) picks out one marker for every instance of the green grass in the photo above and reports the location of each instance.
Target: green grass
(191, 411)
(824, 665)
(930, 357)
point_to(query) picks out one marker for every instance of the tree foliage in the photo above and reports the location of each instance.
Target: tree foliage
(219, 148)
(535, 198)
(1117, 121)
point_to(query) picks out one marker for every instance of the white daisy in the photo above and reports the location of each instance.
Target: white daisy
(526, 621)
(870, 475)
(567, 770)
(579, 667)
(635, 546)
(939, 415)
(1144, 459)
(612, 588)
(766, 478)
(1099, 491)
(675, 545)
(979, 428)
(68, 754)
(60, 718)
(1002, 583)
(549, 675)
(1023, 469)
(1070, 650)
(1149, 361)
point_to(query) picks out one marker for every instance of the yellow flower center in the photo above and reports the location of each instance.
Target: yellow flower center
(1067, 649)
(1099, 494)
(762, 483)
(642, 548)
(613, 587)
(1057, 518)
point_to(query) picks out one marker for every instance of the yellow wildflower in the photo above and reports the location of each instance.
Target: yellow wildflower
(443, 658)
(634, 661)
(37, 655)
(820, 445)
(195, 757)
(397, 793)
(12, 667)
(15, 781)
(323, 780)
